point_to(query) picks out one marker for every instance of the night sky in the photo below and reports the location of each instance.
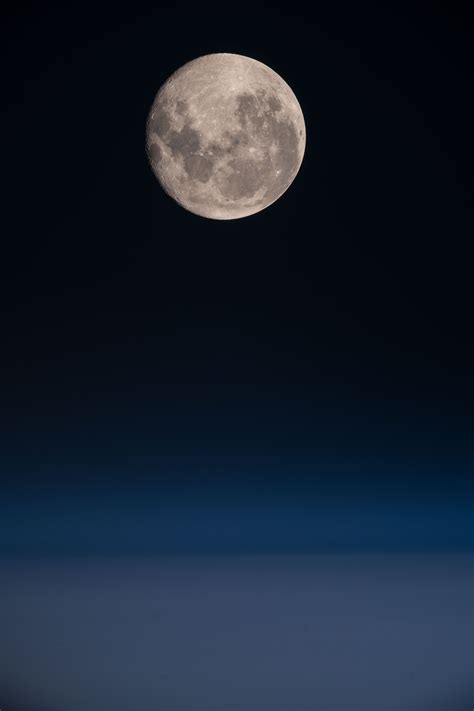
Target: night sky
(292, 387)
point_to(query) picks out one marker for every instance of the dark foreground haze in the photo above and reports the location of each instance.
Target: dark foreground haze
(325, 633)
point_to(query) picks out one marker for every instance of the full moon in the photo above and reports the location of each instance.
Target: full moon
(225, 136)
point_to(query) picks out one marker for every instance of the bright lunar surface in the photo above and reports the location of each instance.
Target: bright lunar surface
(225, 136)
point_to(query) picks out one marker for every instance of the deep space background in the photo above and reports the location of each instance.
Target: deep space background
(236, 457)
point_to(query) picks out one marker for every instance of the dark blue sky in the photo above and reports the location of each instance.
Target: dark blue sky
(322, 348)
